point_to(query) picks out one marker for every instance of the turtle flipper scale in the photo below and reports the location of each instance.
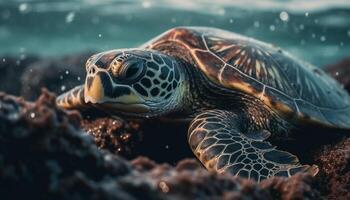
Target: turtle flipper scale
(72, 99)
(218, 142)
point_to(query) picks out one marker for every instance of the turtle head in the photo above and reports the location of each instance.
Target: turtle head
(133, 82)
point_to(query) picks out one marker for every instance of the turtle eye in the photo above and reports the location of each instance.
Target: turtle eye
(114, 68)
(132, 71)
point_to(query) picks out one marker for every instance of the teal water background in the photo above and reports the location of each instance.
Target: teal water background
(316, 31)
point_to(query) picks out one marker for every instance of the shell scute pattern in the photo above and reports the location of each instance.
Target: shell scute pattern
(290, 87)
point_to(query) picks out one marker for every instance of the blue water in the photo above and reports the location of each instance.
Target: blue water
(316, 31)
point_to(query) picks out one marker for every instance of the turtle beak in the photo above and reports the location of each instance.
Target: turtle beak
(100, 90)
(95, 88)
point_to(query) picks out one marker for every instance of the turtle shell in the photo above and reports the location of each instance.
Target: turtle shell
(292, 88)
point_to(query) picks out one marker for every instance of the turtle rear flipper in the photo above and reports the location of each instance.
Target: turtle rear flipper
(72, 99)
(216, 138)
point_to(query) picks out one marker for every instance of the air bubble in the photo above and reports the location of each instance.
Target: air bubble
(108, 157)
(284, 16)
(146, 4)
(23, 56)
(70, 17)
(323, 38)
(100, 35)
(63, 88)
(272, 28)
(32, 115)
(221, 12)
(67, 72)
(23, 7)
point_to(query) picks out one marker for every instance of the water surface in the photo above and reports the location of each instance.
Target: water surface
(316, 31)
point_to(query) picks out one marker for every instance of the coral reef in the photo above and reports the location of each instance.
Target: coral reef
(115, 135)
(44, 154)
(334, 161)
(42, 147)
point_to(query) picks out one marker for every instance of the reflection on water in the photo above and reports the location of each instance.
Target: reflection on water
(317, 31)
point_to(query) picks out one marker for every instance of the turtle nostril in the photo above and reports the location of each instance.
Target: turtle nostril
(91, 70)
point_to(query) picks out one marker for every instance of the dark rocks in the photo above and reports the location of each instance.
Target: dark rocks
(334, 162)
(42, 148)
(299, 186)
(115, 135)
(27, 75)
(188, 180)
(45, 155)
(11, 69)
(56, 74)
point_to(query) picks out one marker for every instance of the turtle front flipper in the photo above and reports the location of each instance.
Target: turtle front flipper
(218, 139)
(72, 99)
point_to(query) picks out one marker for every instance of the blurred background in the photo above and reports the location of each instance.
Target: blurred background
(316, 31)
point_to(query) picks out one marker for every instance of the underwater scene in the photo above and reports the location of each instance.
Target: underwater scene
(174, 99)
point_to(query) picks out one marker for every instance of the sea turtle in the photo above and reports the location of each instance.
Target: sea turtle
(239, 93)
